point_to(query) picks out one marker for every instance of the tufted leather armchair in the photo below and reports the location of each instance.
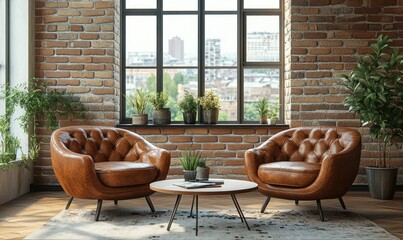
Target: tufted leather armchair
(106, 163)
(306, 164)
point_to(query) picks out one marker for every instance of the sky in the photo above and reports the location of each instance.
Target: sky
(141, 30)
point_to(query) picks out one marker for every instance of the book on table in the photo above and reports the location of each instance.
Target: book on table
(200, 184)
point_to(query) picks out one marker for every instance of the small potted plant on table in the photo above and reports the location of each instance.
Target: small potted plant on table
(188, 106)
(190, 160)
(139, 102)
(161, 115)
(211, 104)
(203, 171)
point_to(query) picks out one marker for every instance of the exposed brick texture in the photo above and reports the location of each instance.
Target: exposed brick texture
(330, 34)
(78, 51)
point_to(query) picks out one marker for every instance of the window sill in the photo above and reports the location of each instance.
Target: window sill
(228, 125)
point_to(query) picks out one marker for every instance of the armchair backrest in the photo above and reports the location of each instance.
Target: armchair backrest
(313, 144)
(102, 143)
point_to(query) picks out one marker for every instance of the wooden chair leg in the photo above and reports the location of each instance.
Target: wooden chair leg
(342, 203)
(296, 202)
(99, 206)
(320, 210)
(265, 204)
(150, 204)
(69, 203)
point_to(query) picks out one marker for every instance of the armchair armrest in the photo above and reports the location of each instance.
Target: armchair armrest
(254, 157)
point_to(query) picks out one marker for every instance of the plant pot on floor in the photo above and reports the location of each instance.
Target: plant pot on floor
(162, 116)
(202, 173)
(189, 118)
(140, 119)
(382, 182)
(211, 116)
(189, 175)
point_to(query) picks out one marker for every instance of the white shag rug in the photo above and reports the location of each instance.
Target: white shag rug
(138, 224)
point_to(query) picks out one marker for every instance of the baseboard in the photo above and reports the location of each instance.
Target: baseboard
(45, 187)
(54, 187)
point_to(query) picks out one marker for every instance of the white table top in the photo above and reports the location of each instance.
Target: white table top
(230, 186)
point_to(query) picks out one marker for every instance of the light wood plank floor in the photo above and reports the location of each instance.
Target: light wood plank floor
(20, 217)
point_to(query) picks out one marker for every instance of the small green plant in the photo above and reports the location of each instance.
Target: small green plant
(190, 160)
(210, 101)
(188, 103)
(263, 106)
(9, 144)
(158, 100)
(138, 101)
(202, 163)
(273, 111)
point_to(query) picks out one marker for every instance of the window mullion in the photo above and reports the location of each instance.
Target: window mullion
(201, 50)
(240, 45)
(160, 55)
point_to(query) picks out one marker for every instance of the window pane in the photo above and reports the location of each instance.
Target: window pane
(141, 41)
(176, 82)
(258, 83)
(180, 40)
(221, 40)
(222, 5)
(175, 5)
(262, 42)
(143, 79)
(254, 4)
(224, 82)
(138, 4)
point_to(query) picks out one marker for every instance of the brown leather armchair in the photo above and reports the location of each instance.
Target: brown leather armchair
(306, 164)
(106, 163)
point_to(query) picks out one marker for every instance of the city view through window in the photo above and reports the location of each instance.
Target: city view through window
(180, 56)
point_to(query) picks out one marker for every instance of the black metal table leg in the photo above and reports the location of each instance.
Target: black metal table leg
(197, 215)
(178, 200)
(239, 210)
(191, 209)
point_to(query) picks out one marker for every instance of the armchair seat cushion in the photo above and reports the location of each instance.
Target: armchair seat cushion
(124, 173)
(289, 173)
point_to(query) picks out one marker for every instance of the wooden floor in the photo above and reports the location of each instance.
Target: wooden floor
(20, 217)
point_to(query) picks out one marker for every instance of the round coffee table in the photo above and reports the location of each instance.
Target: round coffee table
(230, 187)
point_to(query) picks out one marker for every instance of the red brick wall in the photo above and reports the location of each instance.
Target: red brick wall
(322, 39)
(77, 50)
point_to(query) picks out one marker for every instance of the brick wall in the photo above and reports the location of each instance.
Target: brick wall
(78, 50)
(322, 37)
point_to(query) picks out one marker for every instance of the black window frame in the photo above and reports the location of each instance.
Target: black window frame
(242, 63)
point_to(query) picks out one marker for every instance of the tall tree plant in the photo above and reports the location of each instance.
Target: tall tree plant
(376, 94)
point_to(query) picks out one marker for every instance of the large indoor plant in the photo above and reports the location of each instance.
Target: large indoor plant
(376, 95)
(139, 101)
(211, 104)
(188, 105)
(161, 114)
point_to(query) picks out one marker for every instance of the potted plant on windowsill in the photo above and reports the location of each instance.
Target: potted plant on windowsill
(272, 114)
(188, 106)
(211, 104)
(161, 115)
(190, 160)
(376, 96)
(138, 101)
(263, 109)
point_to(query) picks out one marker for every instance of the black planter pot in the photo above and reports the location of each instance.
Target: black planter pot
(189, 118)
(382, 182)
(162, 116)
